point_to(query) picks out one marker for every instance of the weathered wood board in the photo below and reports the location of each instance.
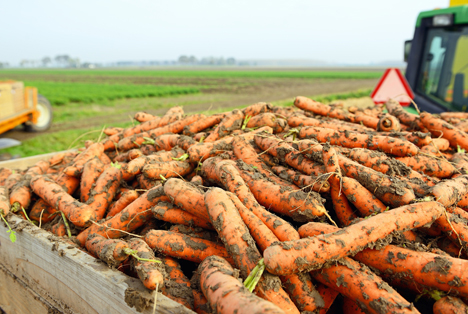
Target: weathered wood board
(41, 273)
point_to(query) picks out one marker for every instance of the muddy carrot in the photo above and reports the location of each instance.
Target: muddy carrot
(4, 174)
(110, 251)
(298, 120)
(187, 197)
(362, 199)
(328, 295)
(91, 172)
(177, 287)
(439, 127)
(231, 296)
(169, 169)
(257, 108)
(4, 202)
(112, 130)
(351, 139)
(77, 213)
(313, 183)
(321, 109)
(349, 240)
(202, 124)
(143, 116)
(449, 305)
(150, 273)
(132, 217)
(437, 167)
(104, 190)
(451, 191)
(126, 199)
(183, 246)
(228, 175)
(170, 213)
(455, 227)
(232, 121)
(166, 141)
(388, 123)
(410, 119)
(267, 119)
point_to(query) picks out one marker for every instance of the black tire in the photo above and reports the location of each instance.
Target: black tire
(45, 120)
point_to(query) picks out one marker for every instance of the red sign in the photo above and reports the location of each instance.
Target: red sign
(392, 85)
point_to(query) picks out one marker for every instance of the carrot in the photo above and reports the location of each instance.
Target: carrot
(147, 149)
(166, 141)
(133, 141)
(460, 161)
(349, 240)
(451, 191)
(187, 197)
(168, 212)
(92, 151)
(202, 124)
(455, 227)
(109, 131)
(257, 108)
(450, 115)
(431, 166)
(439, 127)
(125, 199)
(79, 214)
(244, 151)
(150, 273)
(104, 190)
(341, 206)
(143, 116)
(321, 109)
(462, 125)
(199, 137)
(298, 120)
(110, 251)
(200, 303)
(91, 172)
(366, 120)
(328, 295)
(4, 174)
(229, 176)
(4, 203)
(361, 198)
(59, 229)
(410, 119)
(314, 183)
(129, 155)
(419, 139)
(388, 123)
(232, 121)
(169, 169)
(196, 232)
(177, 287)
(350, 139)
(13, 179)
(268, 119)
(282, 112)
(449, 305)
(132, 217)
(230, 296)
(379, 162)
(183, 246)
(441, 143)
(359, 283)
(200, 152)
(197, 180)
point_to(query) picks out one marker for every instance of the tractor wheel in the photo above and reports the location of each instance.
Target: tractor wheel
(44, 121)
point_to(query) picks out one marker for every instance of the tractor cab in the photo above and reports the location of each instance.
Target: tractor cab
(437, 58)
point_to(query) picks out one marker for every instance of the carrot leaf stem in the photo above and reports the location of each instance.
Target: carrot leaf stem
(10, 231)
(65, 222)
(254, 276)
(26, 215)
(134, 253)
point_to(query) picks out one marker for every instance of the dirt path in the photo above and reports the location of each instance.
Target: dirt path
(267, 91)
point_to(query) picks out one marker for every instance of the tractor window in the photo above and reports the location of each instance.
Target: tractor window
(444, 75)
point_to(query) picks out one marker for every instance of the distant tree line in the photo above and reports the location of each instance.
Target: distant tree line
(192, 60)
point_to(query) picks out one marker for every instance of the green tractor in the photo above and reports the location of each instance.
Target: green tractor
(437, 58)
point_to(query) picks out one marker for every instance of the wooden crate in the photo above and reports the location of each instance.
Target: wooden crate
(41, 273)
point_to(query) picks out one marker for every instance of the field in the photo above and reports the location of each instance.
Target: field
(87, 100)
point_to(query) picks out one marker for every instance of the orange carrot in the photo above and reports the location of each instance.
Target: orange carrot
(230, 296)
(200, 303)
(321, 109)
(313, 183)
(232, 121)
(431, 166)
(110, 251)
(177, 287)
(298, 120)
(328, 295)
(351, 239)
(104, 190)
(150, 273)
(168, 212)
(229, 176)
(351, 139)
(169, 169)
(203, 124)
(183, 246)
(143, 116)
(59, 229)
(439, 127)
(166, 141)
(91, 172)
(361, 198)
(417, 138)
(268, 119)
(388, 123)
(4, 203)
(449, 305)
(4, 174)
(451, 191)
(77, 213)
(410, 119)
(125, 199)
(257, 108)
(197, 180)
(109, 131)
(132, 217)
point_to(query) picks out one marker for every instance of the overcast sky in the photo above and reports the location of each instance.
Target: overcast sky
(339, 31)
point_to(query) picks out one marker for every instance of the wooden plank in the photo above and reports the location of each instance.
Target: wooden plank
(23, 163)
(70, 280)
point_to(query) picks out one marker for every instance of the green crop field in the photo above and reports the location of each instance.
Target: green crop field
(85, 101)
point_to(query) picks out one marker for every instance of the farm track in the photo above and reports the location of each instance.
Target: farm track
(216, 94)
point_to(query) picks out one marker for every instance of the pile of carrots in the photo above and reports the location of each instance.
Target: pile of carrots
(268, 209)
